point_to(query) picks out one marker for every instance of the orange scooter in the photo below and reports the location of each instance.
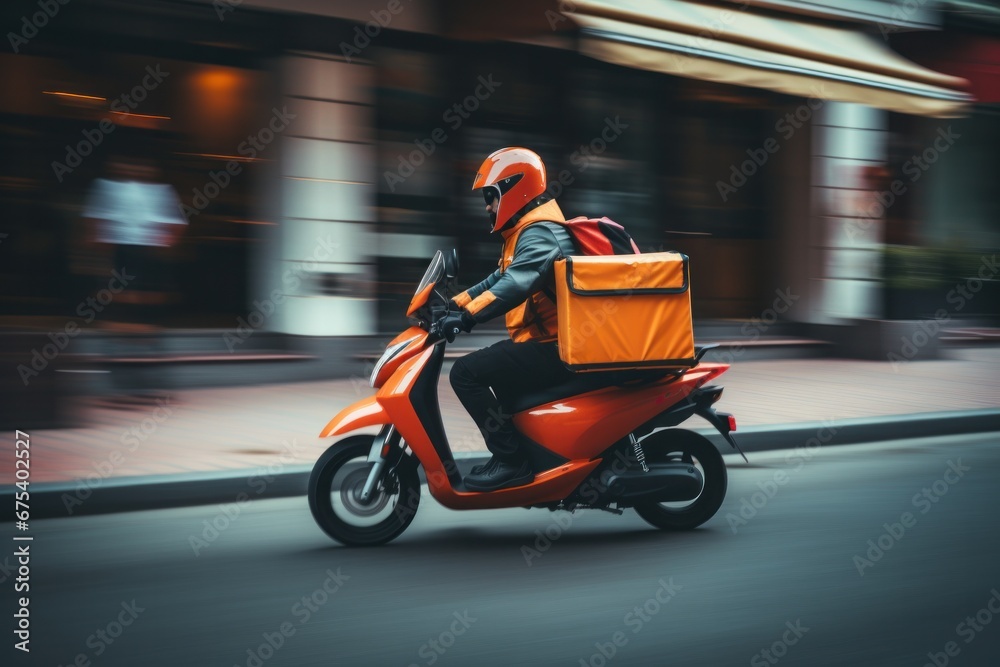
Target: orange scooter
(596, 441)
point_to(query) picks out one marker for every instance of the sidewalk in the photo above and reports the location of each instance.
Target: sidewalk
(276, 426)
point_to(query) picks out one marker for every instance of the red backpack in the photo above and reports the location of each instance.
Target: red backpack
(600, 236)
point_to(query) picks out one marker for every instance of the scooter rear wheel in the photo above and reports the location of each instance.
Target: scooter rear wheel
(335, 487)
(680, 445)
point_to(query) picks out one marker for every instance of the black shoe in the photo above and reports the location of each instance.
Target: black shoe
(483, 467)
(502, 475)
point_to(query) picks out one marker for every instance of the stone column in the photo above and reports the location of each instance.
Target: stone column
(848, 153)
(322, 255)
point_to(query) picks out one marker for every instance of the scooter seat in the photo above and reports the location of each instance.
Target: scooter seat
(580, 383)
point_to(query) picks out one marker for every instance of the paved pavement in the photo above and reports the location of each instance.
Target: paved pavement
(276, 426)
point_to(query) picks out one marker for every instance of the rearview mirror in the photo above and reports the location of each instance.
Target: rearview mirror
(451, 263)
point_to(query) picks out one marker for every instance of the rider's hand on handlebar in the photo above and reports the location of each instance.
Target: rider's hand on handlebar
(450, 324)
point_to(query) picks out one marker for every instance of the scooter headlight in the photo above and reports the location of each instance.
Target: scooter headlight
(387, 356)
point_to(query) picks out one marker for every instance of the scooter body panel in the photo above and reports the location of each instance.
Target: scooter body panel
(550, 486)
(413, 341)
(583, 426)
(366, 412)
(397, 397)
(369, 411)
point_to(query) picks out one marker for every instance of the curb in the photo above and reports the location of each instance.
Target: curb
(857, 431)
(128, 494)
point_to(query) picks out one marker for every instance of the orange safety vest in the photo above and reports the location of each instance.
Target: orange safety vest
(535, 319)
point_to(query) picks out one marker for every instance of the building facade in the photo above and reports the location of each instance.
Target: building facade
(754, 136)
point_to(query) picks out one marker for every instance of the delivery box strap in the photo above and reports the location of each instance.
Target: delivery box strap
(624, 291)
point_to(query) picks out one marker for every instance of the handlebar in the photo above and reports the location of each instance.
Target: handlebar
(434, 331)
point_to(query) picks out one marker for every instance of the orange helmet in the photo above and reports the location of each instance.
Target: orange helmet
(514, 175)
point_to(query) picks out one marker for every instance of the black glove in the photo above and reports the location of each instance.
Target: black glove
(450, 324)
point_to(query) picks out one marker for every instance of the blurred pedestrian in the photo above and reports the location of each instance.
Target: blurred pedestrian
(134, 218)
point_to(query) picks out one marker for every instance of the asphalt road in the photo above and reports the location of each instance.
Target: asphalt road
(781, 586)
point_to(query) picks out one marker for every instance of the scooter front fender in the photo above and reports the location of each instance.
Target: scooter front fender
(366, 412)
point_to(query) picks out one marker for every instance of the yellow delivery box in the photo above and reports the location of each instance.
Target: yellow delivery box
(625, 311)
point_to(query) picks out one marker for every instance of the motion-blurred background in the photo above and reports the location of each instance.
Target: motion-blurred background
(828, 166)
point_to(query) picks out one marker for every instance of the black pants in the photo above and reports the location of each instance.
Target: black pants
(509, 369)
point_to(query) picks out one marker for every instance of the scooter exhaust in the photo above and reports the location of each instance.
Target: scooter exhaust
(665, 482)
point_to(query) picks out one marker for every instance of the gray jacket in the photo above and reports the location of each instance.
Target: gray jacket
(529, 274)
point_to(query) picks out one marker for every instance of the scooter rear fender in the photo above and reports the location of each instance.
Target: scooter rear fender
(366, 412)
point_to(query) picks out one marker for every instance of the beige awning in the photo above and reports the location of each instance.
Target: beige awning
(733, 45)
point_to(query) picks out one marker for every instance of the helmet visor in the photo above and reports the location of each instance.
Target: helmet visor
(491, 193)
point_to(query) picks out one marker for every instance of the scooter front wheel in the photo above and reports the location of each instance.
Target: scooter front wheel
(680, 446)
(335, 495)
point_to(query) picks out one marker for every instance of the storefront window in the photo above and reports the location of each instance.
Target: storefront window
(173, 126)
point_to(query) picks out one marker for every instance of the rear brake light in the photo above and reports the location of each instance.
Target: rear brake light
(732, 423)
